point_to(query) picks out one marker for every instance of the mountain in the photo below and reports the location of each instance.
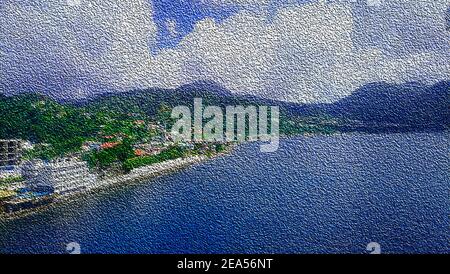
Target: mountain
(377, 107)
(149, 100)
(380, 106)
(204, 87)
(383, 104)
(411, 104)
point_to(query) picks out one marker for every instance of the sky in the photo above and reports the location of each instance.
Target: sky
(302, 51)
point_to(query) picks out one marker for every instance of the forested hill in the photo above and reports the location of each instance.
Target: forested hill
(382, 106)
(412, 105)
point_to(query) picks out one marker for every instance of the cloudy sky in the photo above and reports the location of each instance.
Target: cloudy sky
(294, 50)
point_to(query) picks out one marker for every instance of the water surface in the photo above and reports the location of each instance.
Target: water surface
(314, 195)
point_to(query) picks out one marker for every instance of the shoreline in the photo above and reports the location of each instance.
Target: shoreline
(146, 172)
(138, 174)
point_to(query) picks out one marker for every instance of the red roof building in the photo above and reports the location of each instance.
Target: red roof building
(109, 145)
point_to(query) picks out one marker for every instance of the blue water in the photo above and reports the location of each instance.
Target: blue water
(314, 195)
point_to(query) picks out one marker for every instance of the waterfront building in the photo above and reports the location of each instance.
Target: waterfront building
(10, 152)
(64, 175)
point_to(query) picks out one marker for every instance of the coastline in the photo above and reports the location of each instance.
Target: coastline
(138, 174)
(247, 184)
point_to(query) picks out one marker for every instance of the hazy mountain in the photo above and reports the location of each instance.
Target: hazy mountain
(376, 105)
(408, 104)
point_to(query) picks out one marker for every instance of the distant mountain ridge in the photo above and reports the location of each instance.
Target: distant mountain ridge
(382, 105)
(412, 104)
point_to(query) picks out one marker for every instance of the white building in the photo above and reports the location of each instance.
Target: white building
(64, 175)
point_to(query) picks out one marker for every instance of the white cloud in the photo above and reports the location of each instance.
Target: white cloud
(63, 46)
(304, 53)
(318, 51)
(171, 26)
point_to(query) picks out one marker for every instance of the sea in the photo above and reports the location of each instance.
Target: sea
(343, 193)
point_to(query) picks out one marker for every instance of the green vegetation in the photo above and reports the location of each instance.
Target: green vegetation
(168, 154)
(106, 157)
(11, 179)
(308, 125)
(41, 120)
(62, 129)
(220, 148)
(4, 182)
(119, 123)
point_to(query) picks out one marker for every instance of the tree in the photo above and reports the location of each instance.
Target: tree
(164, 115)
